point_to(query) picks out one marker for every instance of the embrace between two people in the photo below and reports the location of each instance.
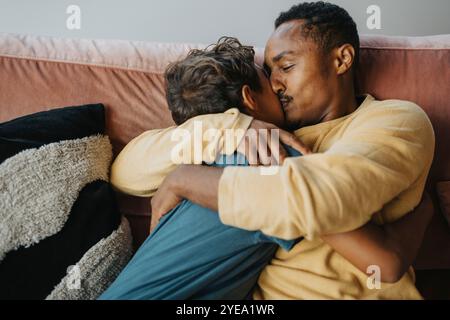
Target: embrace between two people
(350, 198)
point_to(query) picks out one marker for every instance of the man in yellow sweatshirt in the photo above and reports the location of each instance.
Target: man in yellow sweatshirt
(368, 156)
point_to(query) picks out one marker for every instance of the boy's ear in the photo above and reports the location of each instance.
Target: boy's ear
(248, 99)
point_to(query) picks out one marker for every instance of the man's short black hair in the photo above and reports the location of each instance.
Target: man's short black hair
(211, 80)
(327, 24)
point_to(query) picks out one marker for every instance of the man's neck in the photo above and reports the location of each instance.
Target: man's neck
(342, 107)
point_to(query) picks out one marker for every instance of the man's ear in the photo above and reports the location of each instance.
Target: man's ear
(345, 56)
(248, 99)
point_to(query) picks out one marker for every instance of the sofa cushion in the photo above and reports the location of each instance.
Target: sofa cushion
(57, 208)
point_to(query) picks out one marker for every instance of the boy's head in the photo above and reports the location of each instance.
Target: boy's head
(218, 78)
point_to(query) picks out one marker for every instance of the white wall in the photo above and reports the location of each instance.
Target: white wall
(205, 21)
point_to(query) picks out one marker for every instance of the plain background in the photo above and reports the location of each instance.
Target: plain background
(204, 21)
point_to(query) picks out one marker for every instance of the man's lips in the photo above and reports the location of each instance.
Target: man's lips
(285, 100)
(285, 103)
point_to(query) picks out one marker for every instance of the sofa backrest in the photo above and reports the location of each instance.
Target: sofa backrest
(41, 73)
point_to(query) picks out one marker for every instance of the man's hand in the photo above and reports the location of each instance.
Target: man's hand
(258, 149)
(164, 200)
(196, 183)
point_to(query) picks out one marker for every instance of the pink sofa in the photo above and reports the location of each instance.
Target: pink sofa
(41, 73)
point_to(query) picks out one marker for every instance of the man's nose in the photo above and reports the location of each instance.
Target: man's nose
(276, 83)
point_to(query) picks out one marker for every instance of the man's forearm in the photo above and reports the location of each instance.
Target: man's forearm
(199, 184)
(393, 247)
(406, 235)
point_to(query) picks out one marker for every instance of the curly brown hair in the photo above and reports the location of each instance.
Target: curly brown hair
(210, 80)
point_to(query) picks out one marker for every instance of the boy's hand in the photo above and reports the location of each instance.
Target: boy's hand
(259, 149)
(164, 200)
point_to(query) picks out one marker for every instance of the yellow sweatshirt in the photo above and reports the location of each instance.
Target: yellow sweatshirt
(376, 158)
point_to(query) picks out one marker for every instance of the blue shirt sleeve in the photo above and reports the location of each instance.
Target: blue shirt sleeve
(238, 159)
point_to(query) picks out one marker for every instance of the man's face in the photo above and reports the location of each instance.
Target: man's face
(300, 74)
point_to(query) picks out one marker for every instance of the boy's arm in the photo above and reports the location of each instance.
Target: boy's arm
(145, 161)
(392, 247)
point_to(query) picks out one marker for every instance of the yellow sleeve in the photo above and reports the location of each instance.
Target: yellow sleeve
(145, 161)
(380, 155)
